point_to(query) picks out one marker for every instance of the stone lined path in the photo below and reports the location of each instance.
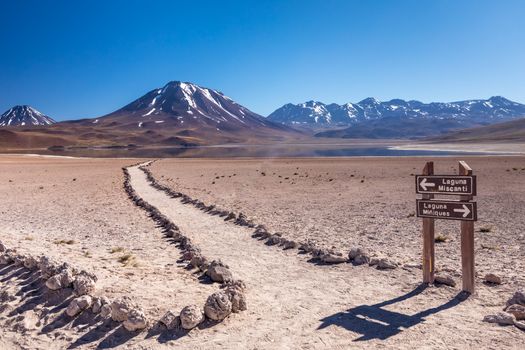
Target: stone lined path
(288, 298)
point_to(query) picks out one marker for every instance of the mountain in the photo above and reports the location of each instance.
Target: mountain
(512, 131)
(187, 107)
(396, 118)
(24, 116)
(178, 113)
(495, 109)
(185, 113)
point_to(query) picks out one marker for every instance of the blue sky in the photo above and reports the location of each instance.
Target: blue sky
(73, 59)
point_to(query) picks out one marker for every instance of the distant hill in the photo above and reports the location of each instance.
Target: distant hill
(396, 118)
(393, 128)
(513, 131)
(24, 116)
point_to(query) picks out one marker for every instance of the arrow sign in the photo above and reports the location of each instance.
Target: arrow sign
(424, 184)
(465, 210)
(448, 210)
(446, 184)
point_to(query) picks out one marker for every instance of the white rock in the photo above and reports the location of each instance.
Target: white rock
(237, 298)
(385, 264)
(501, 318)
(120, 309)
(218, 306)
(78, 305)
(191, 316)
(63, 279)
(219, 272)
(332, 258)
(84, 283)
(73, 309)
(136, 320)
(84, 301)
(97, 305)
(105, 311)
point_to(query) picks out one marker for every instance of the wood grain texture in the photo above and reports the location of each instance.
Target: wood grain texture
(428, 236)
(467, 241)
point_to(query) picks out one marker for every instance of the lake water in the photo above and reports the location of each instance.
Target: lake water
(262, 151)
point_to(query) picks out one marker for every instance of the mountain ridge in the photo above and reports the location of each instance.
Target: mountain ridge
(494, 109)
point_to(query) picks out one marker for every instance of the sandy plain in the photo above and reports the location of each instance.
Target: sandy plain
(514, 148)
(76, 210)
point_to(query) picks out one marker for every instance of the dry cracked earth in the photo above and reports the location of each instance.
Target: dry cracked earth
(76, 211)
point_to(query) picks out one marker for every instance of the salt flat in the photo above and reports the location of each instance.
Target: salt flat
(77, 211)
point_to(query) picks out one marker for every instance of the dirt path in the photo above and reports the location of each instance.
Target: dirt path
(295, 304)
(91, 224)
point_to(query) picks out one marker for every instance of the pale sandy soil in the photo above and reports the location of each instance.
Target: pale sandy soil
(42, 205)
(364, 202)
(505, 148)
(292, 303)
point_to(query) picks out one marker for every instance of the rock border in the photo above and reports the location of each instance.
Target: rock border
(82, 284)
(189, 251)
(58, 276)
(62, 276)
(356, 256)
(216, 270)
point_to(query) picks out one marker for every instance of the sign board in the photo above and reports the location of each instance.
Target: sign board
(446, 184)
(463, 185)
(450, 210)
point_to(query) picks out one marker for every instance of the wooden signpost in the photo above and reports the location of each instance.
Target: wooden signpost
(428, 208)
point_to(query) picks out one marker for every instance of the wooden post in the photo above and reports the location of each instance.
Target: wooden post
(467, 241)
(428, 236)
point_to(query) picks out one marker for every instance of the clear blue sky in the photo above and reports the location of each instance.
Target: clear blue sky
(74, 59)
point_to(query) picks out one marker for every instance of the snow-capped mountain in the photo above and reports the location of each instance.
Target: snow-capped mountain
(186, 105)
(24, 116)
(495, 109)
(181, 113)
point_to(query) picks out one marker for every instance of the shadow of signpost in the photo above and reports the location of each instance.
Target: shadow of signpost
(374, 322)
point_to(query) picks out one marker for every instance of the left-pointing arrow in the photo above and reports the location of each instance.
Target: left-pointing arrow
(424, 184)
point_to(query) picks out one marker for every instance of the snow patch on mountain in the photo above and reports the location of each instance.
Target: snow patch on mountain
(151, 111)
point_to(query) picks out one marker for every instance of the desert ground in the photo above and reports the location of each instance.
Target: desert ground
(514, 148)
(75, 210)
